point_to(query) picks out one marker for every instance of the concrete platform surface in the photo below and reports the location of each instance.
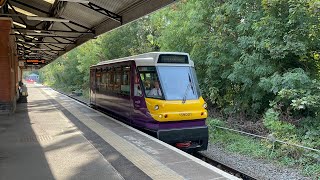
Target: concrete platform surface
(55, 137)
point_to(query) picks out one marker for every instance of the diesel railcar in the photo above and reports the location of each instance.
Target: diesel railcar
(157, 92)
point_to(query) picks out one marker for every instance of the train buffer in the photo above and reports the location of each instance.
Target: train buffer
(55, 137)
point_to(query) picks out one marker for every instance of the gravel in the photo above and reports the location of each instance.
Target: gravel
(259, 169)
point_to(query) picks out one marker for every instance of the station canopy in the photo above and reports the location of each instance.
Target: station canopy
(46, 29)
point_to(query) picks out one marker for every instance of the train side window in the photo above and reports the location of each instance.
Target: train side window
(117, 79)
(125, 80)
(108, 79)
(111, 80)
(104, 81)
(136, 87)
(98, 81)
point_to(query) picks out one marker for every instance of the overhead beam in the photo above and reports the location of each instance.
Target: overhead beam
(79, 25)
(57, 31)
(74, 34)
(41, 42)
(54, 36)
(24, 48)
(64, 38)
(29, 6)
(103, 11)
(133, 12)
(61, 48)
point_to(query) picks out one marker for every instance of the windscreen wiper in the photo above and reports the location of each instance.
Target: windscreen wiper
(186, 92)
(191, 84)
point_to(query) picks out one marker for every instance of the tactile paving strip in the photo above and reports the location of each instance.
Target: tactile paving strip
(30, 139)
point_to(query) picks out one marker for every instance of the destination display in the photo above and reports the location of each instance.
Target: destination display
(173, 58)
(35, 61)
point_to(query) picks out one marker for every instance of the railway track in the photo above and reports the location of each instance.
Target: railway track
(224, 167)
(199, 155)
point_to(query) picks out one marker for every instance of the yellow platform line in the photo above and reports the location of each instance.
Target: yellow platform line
(139, 158)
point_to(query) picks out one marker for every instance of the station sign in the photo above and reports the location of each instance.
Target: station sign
(35, 61)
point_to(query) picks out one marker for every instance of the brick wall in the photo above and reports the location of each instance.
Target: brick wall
(7, 67)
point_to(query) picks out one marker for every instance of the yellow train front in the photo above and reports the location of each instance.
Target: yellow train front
(157, 92)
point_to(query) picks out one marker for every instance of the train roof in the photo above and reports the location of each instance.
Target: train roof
(149, 59)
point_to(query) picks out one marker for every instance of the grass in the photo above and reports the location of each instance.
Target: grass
(260, 148)
(234, 142)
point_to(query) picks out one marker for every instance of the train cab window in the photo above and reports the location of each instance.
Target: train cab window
(150, 82)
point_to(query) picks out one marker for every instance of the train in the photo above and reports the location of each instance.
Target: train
(157, 92)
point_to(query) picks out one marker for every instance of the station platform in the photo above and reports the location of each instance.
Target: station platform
(55, 137)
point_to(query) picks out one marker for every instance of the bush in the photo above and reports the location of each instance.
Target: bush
(296, 95)
(276, 126)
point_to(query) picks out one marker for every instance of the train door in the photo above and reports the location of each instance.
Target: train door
(124, 94)
(92, 87)
(139, 110)
(97, 94)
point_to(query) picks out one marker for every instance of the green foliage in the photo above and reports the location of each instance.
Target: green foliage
(212, 122)
(276, 126)
(87, 55)
(313, 170)
(309, 131)
(296, 95)
(62, 73)
(135, 38)
(236, 44)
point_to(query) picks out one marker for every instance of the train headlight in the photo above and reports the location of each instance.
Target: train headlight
(156, 107)
(204, 105)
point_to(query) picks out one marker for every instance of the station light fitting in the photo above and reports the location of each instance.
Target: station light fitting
(32, 37)
(37, 49)
(77, 1)
(31, 43)
(22, 11)
(49, 1)
(19, 24)
(40, 34)
(37, 18)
